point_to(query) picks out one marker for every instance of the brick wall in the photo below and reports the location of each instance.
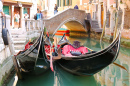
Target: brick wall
(111, 2)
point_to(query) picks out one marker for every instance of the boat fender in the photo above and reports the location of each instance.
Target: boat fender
(4, 36)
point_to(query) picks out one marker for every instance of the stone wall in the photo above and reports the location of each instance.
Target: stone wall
(6, 62)
(127, 19)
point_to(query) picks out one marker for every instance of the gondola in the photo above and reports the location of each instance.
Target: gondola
(91, 62)
(32, 57)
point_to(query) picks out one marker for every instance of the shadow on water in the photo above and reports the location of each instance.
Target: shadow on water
(57, 78)
(46, 79)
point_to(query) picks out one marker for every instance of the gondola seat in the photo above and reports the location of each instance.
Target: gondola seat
(28, 45)
(74, 50)
(47, 50)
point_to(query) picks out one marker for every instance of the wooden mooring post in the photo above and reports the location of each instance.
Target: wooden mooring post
(11, 47)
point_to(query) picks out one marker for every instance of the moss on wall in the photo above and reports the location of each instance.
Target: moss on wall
(124, 42)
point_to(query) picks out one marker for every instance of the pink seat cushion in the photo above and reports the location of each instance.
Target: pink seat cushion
(28, 45)
(67, 48)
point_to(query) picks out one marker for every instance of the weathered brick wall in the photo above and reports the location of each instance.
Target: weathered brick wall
(120, 13)
(127, 19)
(108, 19)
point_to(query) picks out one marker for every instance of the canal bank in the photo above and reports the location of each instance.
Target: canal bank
(125, 40)
(6, 62)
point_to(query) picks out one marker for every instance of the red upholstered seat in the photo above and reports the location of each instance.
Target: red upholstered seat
(68, 48)
(28, 45)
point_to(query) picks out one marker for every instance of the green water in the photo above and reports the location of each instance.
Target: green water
(110, 76)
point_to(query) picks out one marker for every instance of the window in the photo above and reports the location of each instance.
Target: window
(59, 3)
(25, 10)
(67, 2)
(6, 9)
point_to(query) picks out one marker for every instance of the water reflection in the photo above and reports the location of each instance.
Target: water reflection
(46, 79)
(111, 75)
(114, 75)
(63, 78)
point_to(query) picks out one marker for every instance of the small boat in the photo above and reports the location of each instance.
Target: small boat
(86, 63)
(31, 59)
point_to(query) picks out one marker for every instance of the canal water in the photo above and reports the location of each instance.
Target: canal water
(110, 76)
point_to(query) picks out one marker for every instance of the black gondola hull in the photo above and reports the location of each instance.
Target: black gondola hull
(27, 60)
(90, 64)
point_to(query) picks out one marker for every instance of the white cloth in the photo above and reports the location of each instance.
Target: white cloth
(17, 17)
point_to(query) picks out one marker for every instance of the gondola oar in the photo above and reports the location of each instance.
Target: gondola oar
(51, 63)
(120, 66)
(52, 50)
(51, 58)
(114, 38)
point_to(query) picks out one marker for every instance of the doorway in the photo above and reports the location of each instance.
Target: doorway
(17, 24)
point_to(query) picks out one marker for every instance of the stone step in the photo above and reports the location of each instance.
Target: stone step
(18, 47)
(95, 26)
(18, 36)
(17, 33)
(16, 51)
(95, 23)
(19, 42)
(94, 20)
(98, 30)
(16, 30)
(19, 39)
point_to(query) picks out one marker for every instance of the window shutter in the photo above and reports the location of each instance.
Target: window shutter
(63, 2)
(67, 2)
(58, 3)
(6, 9)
